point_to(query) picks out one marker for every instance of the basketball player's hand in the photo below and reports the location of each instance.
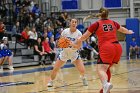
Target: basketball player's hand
(130, 32)
(71, 44)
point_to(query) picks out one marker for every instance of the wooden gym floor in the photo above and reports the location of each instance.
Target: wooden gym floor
(125, 79)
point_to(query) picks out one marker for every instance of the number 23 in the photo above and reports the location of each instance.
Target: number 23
(107, 27)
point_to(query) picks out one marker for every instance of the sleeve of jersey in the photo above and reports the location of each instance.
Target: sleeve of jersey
(93, 27)
(80, 34)
(62, 34)
(117, 25)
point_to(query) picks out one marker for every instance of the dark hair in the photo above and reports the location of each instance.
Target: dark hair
(72, 19)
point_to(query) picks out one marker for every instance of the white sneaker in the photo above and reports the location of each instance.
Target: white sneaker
(11, 67)
(85, 59)
(84, 80)
(50, 84)
(107, 87)
(53, 62)
(1, 68)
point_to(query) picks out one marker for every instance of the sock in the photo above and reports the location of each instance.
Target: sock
(82, 76)
(104, 82)
(108, 74)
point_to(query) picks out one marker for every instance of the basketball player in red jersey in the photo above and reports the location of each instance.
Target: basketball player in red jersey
(109, 48)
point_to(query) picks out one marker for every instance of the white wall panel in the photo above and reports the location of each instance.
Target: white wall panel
(85, 4)
(97, 4)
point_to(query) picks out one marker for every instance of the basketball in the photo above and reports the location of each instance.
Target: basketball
(63, 42)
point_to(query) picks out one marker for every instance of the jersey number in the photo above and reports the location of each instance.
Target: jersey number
(107, 27)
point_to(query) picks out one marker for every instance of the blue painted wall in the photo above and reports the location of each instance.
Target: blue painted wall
(112, 3)
(132, 24)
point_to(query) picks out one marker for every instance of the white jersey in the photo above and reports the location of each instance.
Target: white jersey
(70, 53)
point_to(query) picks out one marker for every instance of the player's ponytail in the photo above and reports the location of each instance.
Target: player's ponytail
(103, 13)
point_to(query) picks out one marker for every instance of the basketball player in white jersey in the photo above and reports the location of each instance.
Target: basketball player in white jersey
(70, 53)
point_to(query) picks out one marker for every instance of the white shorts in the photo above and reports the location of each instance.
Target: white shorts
(69, 56)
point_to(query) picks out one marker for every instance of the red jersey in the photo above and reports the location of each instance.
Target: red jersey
(1, 28)
(105, 30)
(46, 46)
(24, 35)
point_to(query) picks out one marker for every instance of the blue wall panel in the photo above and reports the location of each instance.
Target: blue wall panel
(132, 24)
(69, 4)
(112, 3)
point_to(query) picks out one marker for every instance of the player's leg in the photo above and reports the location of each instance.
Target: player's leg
(1, 67)
(80, 66)
(116, 59)
(59, 63)
(109, 77)
(108, 72)
(106, 56)
(10, 62)
(101, 70)
(57, 66)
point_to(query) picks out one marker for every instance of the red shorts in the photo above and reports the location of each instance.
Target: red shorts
(110, 53)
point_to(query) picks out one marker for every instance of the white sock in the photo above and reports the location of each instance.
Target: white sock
(104, 82)
(82, 76)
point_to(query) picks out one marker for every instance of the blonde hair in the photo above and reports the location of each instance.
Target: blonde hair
(103, 13)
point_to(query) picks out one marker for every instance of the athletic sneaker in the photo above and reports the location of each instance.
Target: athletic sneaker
(11, 67)
(107, 87)
(85, 83)
(50, 84)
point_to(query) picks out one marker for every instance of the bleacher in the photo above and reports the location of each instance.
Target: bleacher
(23, 56)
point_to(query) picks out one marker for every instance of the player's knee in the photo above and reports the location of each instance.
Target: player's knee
(102, 67)
(82, 70)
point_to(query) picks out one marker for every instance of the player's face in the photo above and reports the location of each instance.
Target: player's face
(73, 23)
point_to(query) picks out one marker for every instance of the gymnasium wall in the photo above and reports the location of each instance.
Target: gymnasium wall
(85, 7)
(89, 6)
(132, 24)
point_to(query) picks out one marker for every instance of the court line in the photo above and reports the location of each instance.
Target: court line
(89, 80)
(9, 73)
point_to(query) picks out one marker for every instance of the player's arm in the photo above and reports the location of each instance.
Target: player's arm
(84, 36)
(122, 29)
(76, 45)
(91, 29)
(125, 31)
(87, 17)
